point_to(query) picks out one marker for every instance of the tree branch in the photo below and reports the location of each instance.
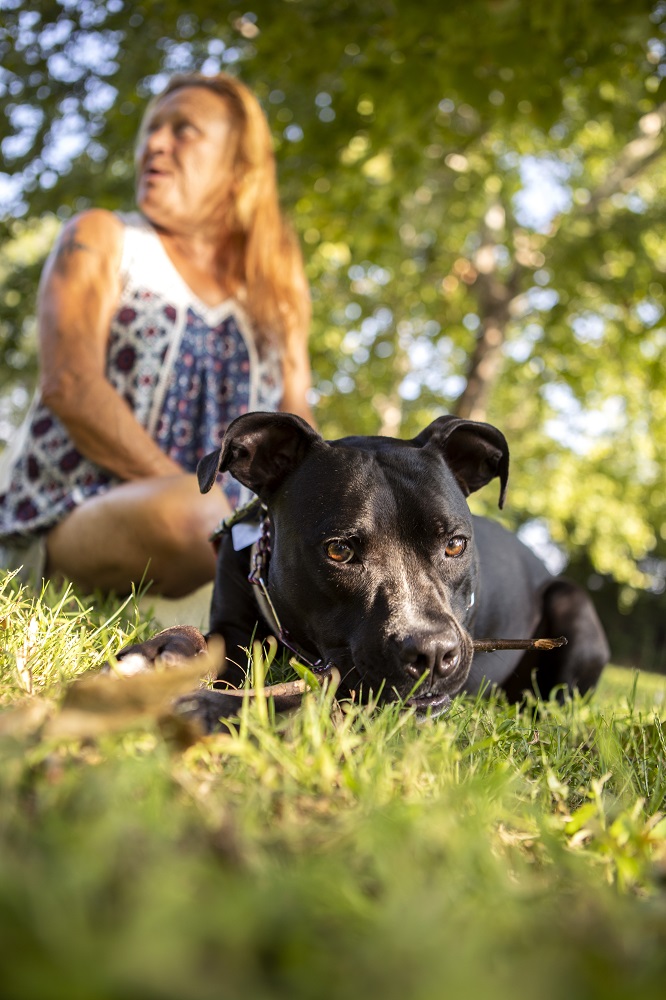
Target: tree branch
(495, 297)
(638, 153)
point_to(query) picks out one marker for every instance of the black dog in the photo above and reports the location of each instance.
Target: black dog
(378, 568)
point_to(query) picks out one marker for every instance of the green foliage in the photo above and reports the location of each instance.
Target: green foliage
(341, 852)
(405, 138)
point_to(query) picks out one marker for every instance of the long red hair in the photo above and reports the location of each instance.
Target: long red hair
(261, 252)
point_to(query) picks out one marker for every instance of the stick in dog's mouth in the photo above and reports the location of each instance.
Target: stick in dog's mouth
(488, 645)
(478, 645)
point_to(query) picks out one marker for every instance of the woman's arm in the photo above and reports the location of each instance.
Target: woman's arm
(296, 369)
(79, 292)
(297, 379)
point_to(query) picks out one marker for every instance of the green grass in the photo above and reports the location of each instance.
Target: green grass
(337, 853)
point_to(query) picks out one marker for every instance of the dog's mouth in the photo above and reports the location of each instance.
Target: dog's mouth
(428, 703)
(426, 697)
(431, 704)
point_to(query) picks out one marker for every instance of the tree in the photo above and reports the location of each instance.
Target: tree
(411, 141)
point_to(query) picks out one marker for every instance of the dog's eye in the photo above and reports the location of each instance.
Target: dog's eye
(455, 546)
(339, 551)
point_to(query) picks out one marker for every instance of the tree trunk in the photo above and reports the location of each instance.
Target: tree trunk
(486, 360)
(484, 368)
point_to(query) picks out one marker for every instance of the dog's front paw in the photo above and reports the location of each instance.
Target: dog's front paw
(170, 648)
(130, 665)
(205, 709)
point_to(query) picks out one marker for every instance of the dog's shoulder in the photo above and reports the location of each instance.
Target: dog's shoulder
(503, 555)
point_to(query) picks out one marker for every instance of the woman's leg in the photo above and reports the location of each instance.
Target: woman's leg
(148, 529)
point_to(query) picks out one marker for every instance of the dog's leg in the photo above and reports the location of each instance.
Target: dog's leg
(567, 611)
(170, 647)
(203, 709)
(234, 612)
(207, 709)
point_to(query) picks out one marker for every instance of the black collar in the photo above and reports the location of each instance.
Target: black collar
(257, 511)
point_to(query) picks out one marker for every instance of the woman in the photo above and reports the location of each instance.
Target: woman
(156, 330)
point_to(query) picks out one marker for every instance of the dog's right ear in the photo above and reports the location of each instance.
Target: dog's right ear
(259, 450)
(475, 452)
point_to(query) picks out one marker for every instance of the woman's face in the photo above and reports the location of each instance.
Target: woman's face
(184, 161)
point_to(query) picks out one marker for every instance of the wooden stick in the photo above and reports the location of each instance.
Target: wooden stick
(283, 690)
(291, 688)
(488, 645)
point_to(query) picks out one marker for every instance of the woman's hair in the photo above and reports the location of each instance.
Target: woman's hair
(261, 251)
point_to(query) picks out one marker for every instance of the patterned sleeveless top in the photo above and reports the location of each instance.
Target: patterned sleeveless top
(185, 368)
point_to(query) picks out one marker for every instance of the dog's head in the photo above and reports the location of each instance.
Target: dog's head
(373, 565)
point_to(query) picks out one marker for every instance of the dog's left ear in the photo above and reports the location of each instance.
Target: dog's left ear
(474, 452)
(259, 450)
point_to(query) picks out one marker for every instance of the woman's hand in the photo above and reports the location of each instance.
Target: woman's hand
(79, 293)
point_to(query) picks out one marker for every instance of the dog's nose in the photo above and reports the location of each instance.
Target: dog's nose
(430, 652)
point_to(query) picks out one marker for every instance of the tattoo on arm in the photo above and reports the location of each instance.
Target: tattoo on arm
(68, 245)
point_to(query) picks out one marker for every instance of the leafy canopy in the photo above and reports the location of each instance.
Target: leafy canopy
(479, 190)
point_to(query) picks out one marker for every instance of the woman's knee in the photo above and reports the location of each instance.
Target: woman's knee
(150, 530)
(183, 523)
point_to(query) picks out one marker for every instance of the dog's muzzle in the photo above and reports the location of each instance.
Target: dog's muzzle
(434, 653)
(435, 658)
(424, 668)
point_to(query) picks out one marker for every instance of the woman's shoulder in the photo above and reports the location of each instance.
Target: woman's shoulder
(124, 239)
(101, 226)
(95, 224)
(94, 229)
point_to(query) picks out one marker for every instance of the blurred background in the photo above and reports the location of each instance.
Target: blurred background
(479, 188)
